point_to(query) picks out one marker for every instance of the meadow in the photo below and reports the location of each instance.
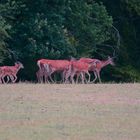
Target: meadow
(70, 111)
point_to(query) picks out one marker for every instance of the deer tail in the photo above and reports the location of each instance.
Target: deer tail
(39, 64)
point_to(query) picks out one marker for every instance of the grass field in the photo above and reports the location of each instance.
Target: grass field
(70, 112)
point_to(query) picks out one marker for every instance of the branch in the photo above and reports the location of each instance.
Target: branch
(107, 45)
(118, 36)
(13, 55)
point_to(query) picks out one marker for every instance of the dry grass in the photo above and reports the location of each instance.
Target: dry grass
(70, 112)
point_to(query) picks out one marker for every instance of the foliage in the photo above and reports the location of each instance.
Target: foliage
(133, 5)
(126, 19)
(4, 27)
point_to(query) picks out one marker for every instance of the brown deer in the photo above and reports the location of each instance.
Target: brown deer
(10, 71)
(99, 65)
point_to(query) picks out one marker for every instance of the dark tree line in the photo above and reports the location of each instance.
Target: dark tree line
(59, 29)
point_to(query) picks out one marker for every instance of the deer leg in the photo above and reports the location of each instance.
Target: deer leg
(51, 79)
(77, 78)
(82, 77)
(50, 76)
(95, 74)
(42, 76)
(50, 72)
(3, 79)
(7, 79)
(63, 76)
(46, 78)
(72, 77)
(98, 74)
(88, 77)
(14, 79)
(38, 76)
(0, 79)
(67, 75)
(66, 78)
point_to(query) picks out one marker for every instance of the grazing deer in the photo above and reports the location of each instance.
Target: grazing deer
(99, 65)
(11, 71)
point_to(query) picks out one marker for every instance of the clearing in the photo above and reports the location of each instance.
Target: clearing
(70, 112)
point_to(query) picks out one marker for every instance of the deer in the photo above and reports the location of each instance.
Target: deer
(98, 66)
(52, 66)
(11, 71)
(42, 75)
(79, 68)
(8, 77)
(39, 75)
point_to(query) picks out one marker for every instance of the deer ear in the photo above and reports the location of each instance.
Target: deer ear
(18, 62)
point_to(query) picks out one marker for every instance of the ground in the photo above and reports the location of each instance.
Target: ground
(70, 112)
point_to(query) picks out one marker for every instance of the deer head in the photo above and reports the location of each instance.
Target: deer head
(110, 61)
(19, 64)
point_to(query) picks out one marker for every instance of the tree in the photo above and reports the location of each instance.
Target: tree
(3, 36)
(55, 29)
(133, 6)
(126, 19)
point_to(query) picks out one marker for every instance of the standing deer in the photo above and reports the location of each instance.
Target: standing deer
(99, 65)
(52, 66)
(43, 73)
(79, 68)
(9, 77)
(10, 71)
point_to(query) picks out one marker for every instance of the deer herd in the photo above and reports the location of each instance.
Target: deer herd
(71, 70)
